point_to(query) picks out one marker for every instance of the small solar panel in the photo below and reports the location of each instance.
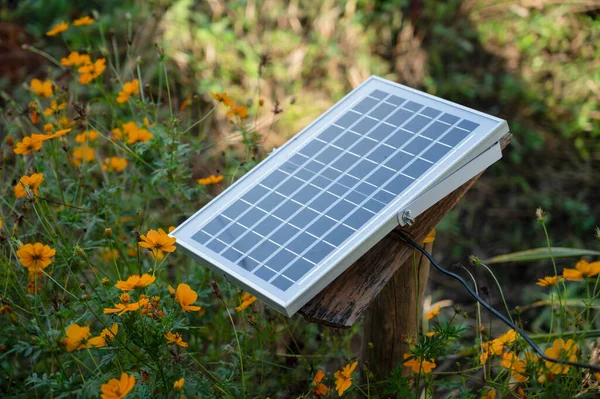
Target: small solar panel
(301, 217)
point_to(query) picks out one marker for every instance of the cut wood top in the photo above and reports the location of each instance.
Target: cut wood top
(342, 302)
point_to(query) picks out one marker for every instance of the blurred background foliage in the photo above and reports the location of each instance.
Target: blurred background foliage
(535, 63)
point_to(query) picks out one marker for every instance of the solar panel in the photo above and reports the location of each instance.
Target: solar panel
(308, 211)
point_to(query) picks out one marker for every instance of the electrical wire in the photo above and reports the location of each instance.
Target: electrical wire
(403, 235)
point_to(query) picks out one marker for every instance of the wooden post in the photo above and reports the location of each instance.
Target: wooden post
(394, 315)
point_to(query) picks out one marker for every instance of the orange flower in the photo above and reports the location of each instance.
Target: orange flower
(35, 256)
(76, 337)
(561, 350)
(185, 296)
(91, 71)
(223, 98)
(175, 339)
(88, 135)
(430, 237)
(58, 28)
(178, 385)
(29, 144)
(238, 110)
(65, 123)
(43, 89)
(582, 269)
(135, 281)
(158, 241)
(139, 135)
(319, 389)
(115, 164)
(547, 281)
(54, 107)
(83, 21)
(433, 313)
(496, 346)
(105, 337)
(58, 133)
(247, 300)
(516, 365)
(212, 179)
(491, 394)
(75, 59)
(121, 308)
(343, 378)
(418, 365)
(118, 389)
(83, 154)
(129, 89)
(29, 184)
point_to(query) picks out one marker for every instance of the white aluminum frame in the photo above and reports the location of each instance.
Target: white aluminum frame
(479, 150)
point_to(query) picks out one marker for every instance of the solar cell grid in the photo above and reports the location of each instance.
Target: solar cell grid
(291, 221)
(389, 166)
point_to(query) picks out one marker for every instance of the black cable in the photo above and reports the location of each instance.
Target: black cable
(486, 305)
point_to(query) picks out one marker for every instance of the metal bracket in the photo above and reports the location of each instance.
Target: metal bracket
(406, 219)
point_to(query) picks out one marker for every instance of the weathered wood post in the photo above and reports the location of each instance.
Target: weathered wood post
(383, 281)
(395, 314)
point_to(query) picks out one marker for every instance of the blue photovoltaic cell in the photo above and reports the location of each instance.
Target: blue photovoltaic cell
(284, 226)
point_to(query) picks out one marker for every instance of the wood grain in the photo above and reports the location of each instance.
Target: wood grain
(342, 302)
(394, 315)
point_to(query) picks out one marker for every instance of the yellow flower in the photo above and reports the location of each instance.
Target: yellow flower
(247, 300)
(54, 107)
(129, 89)
(75, 59)
(547, 281)
(185, 296)
(178, 385)
(43, 89)
(238, 110)
(58, 28)
(35, 256)
(118, 389)
(88, 135)
(430, 237)
(343, 378)
(175, 339)
(212, 179)
(223, 98)
(582, 269)
(135, 281)
(0, 222)
(433, 313)
(561, 350)
(29, 183)
(418, 365)
(105, 337)
(121, 308)
(319, 389)
(76, 337)
(115, 164)
(491, 394)
(158, 241)
(91, 71)
(29, 144)
(83, 21)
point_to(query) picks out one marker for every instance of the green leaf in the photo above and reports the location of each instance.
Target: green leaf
(536, 254)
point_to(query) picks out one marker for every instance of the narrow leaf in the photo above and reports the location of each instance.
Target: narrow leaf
(536, 254)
